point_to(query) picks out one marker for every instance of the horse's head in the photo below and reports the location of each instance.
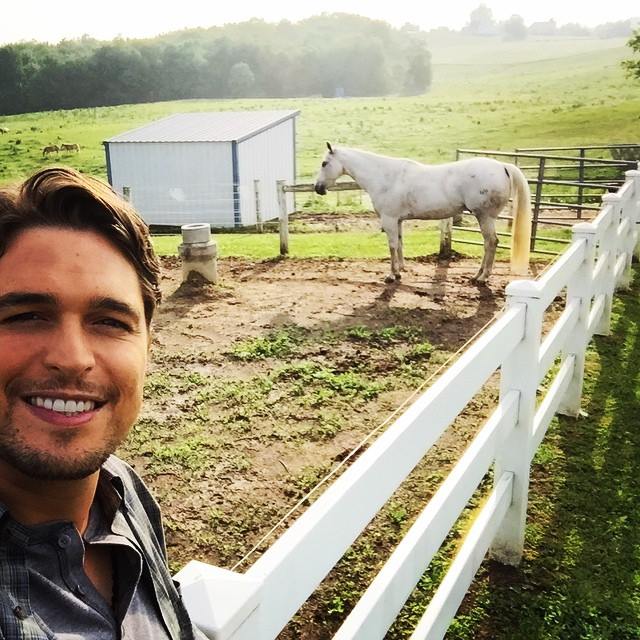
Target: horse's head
(330, 170)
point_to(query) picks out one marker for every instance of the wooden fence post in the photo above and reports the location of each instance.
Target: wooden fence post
(284, 218)
(256, 191)
(446, 229)
(536, 207)
(519, 373)
(580, 287)
(580, 180)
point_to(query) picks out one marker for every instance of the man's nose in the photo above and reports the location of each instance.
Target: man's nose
(70, 349)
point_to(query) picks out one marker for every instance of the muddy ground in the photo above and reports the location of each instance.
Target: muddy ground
(262, 385)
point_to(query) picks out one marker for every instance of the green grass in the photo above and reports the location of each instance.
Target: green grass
(580, 577)
(342, 245)
(486, 93)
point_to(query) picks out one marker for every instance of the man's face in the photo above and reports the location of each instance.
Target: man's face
(73, 352)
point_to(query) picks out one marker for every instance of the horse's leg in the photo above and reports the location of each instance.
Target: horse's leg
(400, 247)
(488, 227)
(390, 227)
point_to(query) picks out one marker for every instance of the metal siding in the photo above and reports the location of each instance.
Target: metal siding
(176, 183)
(267, 157)
(220, 126)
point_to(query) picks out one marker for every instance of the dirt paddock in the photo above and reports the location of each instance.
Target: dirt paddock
(260, 386)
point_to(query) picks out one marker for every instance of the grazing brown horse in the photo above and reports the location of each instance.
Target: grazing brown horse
(70, 146)
(50, 149)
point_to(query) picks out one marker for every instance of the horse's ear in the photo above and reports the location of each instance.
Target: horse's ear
(329, 147)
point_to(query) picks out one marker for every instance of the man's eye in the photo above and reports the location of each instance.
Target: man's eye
(115, 324)
(27, 316)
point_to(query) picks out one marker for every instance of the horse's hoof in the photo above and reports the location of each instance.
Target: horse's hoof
(398, 276)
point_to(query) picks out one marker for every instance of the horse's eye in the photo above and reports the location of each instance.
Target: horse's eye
(325, 163)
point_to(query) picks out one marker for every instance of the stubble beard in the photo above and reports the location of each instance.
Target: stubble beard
(68, 464)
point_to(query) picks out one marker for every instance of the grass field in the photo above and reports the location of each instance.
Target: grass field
(486, 93)
(581, 573)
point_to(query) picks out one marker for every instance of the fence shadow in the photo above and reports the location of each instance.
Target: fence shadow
(580, 578)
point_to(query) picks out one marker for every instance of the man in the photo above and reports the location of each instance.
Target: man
(81, 544)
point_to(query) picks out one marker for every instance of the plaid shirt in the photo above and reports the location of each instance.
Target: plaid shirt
(133, 500)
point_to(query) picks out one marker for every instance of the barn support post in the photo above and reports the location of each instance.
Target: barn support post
(609, 245)
(446, 229)
(580, 287)
(256, 191)
(519, 373)
(284, 218)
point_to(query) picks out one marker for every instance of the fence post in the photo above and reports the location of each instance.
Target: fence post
(580, 287)
(284, 218)
(446, 230)
(536, 206)
(520, 373)
(634, 175)
(256, 190)
(609, 243)
(580, 180)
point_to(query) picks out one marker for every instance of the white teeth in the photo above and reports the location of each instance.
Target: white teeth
(68, 407)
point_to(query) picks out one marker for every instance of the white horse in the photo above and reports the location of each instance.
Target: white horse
(403, 189)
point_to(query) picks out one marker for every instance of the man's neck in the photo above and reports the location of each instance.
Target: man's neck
(32, 501)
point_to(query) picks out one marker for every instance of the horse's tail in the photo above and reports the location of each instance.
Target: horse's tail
(521, 232)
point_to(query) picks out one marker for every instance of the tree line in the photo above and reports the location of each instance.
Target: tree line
(482, 23)
(327, 55)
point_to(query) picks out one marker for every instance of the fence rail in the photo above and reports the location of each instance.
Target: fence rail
(257, 604)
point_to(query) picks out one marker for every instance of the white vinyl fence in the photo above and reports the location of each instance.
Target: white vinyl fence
(256, 605)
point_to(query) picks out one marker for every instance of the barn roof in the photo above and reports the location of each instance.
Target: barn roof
(219, 126)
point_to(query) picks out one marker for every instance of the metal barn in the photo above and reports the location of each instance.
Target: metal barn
(219, 168)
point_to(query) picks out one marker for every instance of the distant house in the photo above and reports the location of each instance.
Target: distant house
(543, 28)
(205, 167)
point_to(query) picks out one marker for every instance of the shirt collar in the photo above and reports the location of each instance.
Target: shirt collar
(110, 492)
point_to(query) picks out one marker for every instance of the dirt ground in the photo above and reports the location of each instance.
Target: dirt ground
(261, 385)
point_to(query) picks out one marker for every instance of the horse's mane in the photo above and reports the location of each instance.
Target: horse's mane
(379, 156)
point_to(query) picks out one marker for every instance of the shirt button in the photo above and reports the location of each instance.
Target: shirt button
(19, 612)
(63, 541)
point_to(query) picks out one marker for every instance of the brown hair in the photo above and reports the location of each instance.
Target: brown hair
(62, 197)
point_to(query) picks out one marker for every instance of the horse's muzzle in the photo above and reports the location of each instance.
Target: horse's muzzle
(320, 189)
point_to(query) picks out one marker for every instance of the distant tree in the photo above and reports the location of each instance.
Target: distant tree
(632, 66)
(514, 28)
(418, 74)
(620, 29)
(316, 56)
(573, 29)
(241, 80)
(481, 22)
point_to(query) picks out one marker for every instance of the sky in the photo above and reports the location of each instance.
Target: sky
(52, 21)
